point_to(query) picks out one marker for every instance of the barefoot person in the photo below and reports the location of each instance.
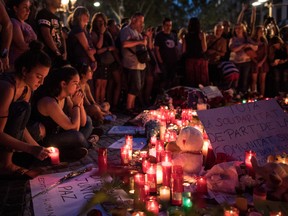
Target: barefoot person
(15, 91)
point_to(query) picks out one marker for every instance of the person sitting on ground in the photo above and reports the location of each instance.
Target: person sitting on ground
(97, 112)
(59, 118)
(15, 91)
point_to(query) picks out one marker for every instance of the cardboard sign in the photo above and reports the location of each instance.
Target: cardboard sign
(259, 126)
(67, 198)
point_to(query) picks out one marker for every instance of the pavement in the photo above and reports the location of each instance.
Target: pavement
(15, 195)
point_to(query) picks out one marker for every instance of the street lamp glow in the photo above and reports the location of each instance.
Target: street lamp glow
(97, 4)
(256, 3)
(64, 2)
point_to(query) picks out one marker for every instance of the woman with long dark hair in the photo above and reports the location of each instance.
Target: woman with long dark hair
(15, 91)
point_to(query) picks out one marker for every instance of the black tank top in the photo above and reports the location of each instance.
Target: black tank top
(10, 77)
(51, 126)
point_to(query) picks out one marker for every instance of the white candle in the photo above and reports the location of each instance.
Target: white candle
(54, 155)
(164, 192)
(159, 174)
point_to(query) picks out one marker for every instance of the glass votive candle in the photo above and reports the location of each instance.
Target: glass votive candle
(102, 160)
(139, 179)
(231, 211)
(151, 177)
(152, 206)
(164, 193)
(259, 193)
(124, 155)
(187, 200)
(145, 165)
(201, 185)
(166, 156)
(54, 155)
(138, 213)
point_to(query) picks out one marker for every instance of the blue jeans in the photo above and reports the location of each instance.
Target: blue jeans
(244, 70)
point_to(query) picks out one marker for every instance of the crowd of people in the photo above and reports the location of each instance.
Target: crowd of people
(58, 83)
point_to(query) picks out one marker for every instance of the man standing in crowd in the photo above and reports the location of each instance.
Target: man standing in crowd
(131, 41)
(166, 53)
(6, 38)
(50, 32)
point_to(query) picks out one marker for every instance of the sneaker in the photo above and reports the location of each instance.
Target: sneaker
(93, 139)
(73, 155)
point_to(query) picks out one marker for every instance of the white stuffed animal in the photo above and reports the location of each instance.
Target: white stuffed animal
(190, 143)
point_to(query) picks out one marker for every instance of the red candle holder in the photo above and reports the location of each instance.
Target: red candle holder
(152, 206)
(145, 165)
(102, 160)
(248, 156)
(166, 170)
(129, 141)
(151, 177)
(54, 155)
(166, 156)
(124, 155)
(177, 189)
(201, 185)
(139, 179)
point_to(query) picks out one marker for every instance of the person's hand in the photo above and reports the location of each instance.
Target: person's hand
(40, 152)
(102, 29)
(77, 98)
(92, 51)
(202, 36)
(4, 64)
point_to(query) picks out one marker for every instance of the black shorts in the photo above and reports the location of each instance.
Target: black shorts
(135, 80)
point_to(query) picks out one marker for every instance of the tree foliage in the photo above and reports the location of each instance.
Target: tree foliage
(180, 11)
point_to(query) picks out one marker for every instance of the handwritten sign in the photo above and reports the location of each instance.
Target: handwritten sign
(260, 126)
(138, 143)
(67, 198)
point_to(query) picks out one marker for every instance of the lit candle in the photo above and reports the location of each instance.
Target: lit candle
(129, 140)
(143, 155)
(177, 189)
(166, 171)
(151, 177)
(159, 174)
(139, 179)
(152, 206)
(248, 156)
(205, 148)
(231, 211)
(187, 201)
(124, 155)
(201, 185)
(166, 156)
(102, 160)
(164, 192)
(153, 140)
(54, 155)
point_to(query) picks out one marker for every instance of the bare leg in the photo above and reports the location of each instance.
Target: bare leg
(130, 101)
(262, 80)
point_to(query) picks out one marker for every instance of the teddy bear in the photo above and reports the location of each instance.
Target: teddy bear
(275, 176)
(187, 151)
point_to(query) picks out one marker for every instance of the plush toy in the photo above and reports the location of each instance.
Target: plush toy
(189, 145)
(275, 176)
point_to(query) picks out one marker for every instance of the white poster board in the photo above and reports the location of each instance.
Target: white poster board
(138, 143)
(126, 130)
(67, 198)
(259, 126)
